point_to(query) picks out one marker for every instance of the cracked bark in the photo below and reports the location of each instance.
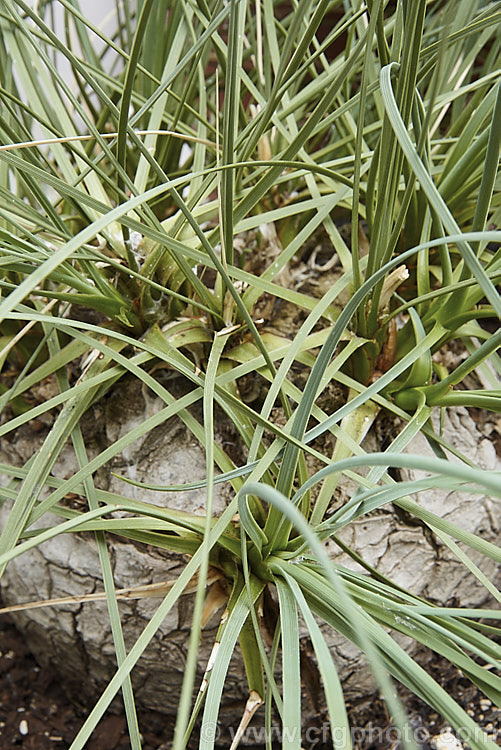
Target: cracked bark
(76, 638)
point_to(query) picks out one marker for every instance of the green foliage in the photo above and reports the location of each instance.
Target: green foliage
(390, 120)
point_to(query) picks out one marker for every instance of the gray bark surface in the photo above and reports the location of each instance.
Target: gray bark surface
(76, 637)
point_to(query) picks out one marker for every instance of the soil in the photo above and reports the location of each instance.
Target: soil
(37, 714)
